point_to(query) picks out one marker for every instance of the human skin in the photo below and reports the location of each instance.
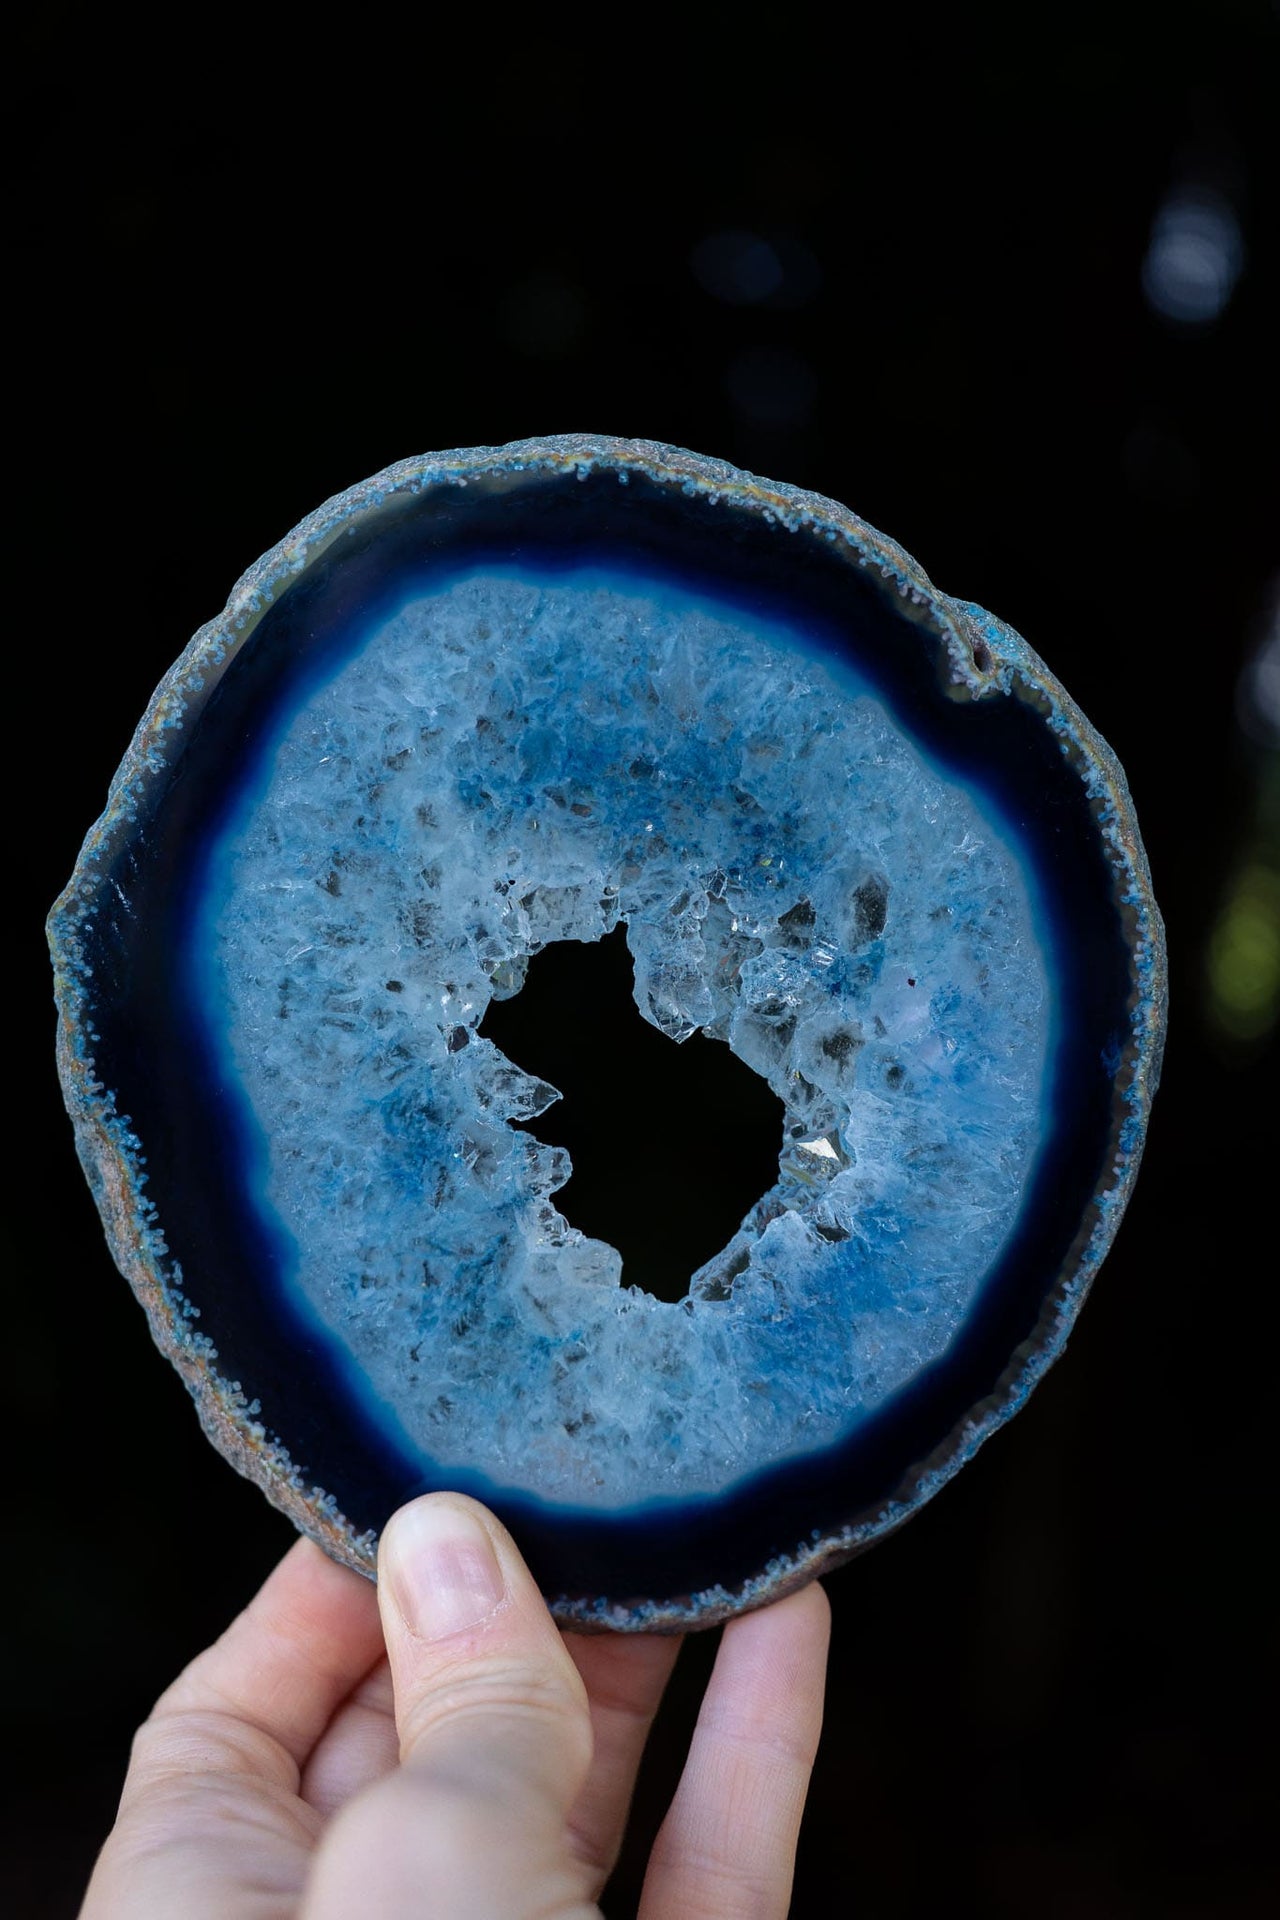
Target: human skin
(437, 1747)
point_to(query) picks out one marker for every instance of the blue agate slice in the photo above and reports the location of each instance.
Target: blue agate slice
(852, 831)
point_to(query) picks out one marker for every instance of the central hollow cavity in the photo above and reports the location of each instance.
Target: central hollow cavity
(671, 1145)
(513, 764)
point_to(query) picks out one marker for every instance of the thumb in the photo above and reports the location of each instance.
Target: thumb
(495, 1738)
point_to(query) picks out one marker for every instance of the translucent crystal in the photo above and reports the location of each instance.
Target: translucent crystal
(511, 760)
(499, 701)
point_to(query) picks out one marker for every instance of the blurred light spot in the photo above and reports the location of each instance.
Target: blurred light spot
(1258, 696)
(737, 266)
(1194, 257)
(801, 274)
(129, 219)
(752, 270)
(1160, 466)
(1244, 956)
(544, 316)
(772, 386)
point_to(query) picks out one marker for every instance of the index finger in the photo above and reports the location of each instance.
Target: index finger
(284, 1666)
(625, 1676)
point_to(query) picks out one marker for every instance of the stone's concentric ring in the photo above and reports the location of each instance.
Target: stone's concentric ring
(852, 830)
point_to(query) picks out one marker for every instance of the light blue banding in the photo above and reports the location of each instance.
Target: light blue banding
(516, 759)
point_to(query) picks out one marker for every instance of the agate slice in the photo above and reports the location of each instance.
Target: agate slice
(849, 829)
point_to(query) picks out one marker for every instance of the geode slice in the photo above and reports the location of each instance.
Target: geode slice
(851, 830)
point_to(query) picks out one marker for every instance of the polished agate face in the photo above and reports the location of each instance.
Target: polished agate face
(848, 831)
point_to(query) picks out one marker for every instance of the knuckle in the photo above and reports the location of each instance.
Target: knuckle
(502, 1690)
(194, 1742)
(186, 1809)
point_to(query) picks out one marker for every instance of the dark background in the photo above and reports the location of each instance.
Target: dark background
(1008, 290)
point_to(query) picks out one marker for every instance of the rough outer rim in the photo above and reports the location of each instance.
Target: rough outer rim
(984, 658)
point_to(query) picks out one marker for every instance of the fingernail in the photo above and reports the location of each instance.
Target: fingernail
(443, 1570)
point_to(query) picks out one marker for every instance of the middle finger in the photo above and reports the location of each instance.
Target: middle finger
(625, 1675)
(358, 1747)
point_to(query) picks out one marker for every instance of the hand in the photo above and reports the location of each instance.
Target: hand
(459, 1758)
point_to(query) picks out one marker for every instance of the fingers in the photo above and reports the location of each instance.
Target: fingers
(625, 1677)
(495, 1738)
(209, 1806)
(358, 1747)
(727, 1847)
(304, 1641)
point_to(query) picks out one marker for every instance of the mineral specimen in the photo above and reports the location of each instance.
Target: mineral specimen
(850, 829)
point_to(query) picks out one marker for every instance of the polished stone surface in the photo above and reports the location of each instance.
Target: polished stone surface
(850, 829)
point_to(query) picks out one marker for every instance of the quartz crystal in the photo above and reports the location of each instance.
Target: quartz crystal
(849, 829)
